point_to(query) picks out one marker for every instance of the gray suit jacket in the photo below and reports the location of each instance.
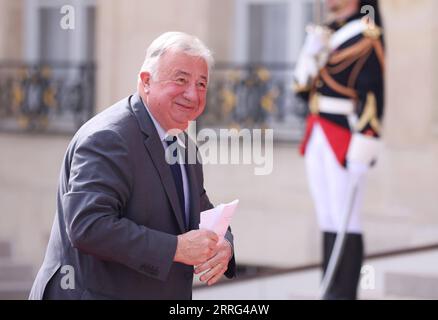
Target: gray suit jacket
(118, 214)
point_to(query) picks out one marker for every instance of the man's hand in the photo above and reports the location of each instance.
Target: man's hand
(217, 265)
(196, 247)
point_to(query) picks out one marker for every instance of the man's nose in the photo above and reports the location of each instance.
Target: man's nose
(191, 93)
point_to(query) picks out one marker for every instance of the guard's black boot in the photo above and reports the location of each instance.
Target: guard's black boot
(346, 280)
(328, 241)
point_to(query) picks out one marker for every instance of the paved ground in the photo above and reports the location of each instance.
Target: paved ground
(412, 276)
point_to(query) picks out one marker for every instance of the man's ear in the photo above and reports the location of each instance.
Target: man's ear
(145, 78)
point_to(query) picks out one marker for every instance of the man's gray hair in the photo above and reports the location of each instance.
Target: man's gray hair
(178, 41)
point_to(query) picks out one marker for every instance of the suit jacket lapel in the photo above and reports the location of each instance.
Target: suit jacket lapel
(155, 149)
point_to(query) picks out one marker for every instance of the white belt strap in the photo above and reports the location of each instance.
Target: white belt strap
(335, 105)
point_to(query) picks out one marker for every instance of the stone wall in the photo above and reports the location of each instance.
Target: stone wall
(11, 29)
(412, 71)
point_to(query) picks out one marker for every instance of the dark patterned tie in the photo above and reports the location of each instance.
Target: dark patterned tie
(177, 177)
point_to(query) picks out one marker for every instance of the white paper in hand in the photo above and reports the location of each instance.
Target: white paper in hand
(218, 219)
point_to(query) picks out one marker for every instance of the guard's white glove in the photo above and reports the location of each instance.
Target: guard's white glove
(313, 56)
(362, 152)
(317, 41)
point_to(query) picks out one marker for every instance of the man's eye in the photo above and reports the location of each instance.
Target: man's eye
(202, 85)
(181, 81)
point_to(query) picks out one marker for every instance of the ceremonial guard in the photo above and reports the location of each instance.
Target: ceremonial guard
(340, 73)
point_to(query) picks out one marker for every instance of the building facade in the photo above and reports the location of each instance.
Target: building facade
(111, 36)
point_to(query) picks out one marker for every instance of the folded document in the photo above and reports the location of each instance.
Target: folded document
(218, 219)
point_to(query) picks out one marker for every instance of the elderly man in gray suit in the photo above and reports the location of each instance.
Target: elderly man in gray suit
(127, 219)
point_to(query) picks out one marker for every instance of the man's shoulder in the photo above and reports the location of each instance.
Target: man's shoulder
(117, 118)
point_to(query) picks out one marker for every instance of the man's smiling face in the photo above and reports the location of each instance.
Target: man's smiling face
(178, 94)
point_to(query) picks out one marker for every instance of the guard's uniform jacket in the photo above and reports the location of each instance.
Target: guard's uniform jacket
(353, 76)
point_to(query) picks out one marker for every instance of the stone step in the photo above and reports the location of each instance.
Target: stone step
(14, 272)
(5, 249)
(411, 285)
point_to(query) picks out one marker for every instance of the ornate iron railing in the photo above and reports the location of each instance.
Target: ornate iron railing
(255, 96)
(59, 97)
(46, 97)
